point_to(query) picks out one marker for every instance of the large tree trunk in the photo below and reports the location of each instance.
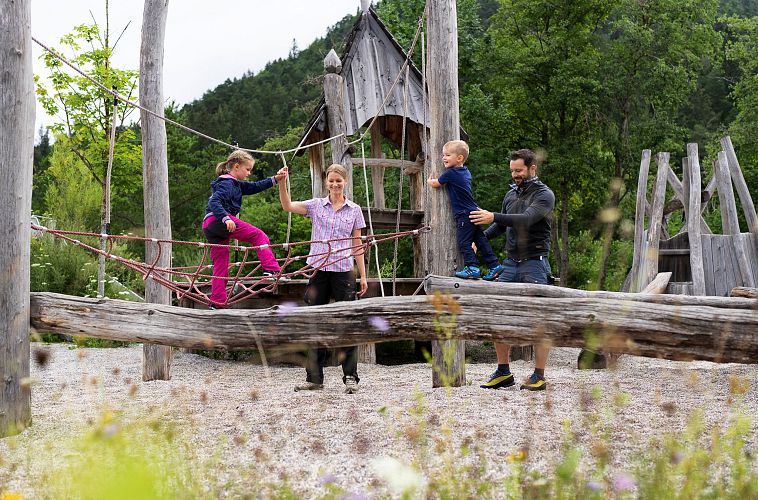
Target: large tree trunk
(16, 165)
(661, 330)
(157, 359)
(441, 254)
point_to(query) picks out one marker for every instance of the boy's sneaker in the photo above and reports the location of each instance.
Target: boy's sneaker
(494, 273)
(469, 273)
(498, 380)
(534, 383)
(351, 385)
(309, 386)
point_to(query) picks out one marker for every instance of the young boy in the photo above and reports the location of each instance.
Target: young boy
(457, 178)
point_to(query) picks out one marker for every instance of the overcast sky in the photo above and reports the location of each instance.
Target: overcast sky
(206, 41)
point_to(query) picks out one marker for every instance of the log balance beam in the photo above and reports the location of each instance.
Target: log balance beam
(676, 327)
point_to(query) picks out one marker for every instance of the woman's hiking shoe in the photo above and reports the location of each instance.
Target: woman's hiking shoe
(309, 386)
(351, 385)
(534, 383)
(498, 380)
(494, 273)
(469, 273)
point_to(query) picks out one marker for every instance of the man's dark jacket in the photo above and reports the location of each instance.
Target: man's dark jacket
(525, 219)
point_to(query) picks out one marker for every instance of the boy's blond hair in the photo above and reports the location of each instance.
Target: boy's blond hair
(457, 147)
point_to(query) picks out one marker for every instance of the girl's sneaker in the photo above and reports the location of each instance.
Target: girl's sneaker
(469, 273)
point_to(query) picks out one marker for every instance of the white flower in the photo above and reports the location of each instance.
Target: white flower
(400, 478)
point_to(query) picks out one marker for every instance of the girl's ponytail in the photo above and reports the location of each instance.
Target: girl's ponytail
(237, 156)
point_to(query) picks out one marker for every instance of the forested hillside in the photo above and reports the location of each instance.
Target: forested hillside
(587, 83)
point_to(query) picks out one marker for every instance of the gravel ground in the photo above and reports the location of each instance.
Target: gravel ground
(249, 418)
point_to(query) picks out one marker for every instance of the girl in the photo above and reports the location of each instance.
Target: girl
(221, 219)
(332, 217)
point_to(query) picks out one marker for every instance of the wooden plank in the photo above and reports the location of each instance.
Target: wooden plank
(441, 252)
(659, 284)
(745, 266)
(386, 218)
(639, 218)
(693, 222)
(733, 270)
(708, 269)
(377, 171)
(17, 106)
(727, 205)
(317, 158)
(156, 358)
(751, 247)
(650, 258)
(740, 185)
(456, 286)
(409, 167)
(719, 267)
(620, 326)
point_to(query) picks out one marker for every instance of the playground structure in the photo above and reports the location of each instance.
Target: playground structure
(701, 262)
(633, 323)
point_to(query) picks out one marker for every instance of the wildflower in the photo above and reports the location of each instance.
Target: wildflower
(41, 357)
(327, 479)
(517, 456)
(676, 457)
(594, 486)
(400, 478)
(286, 308)
(624, 482)
(354, 496)
(379, 323)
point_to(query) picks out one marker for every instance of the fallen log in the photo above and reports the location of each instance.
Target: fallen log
(446, 284)
(743, 291)
(674, 332)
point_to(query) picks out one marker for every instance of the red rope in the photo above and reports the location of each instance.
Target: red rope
(240, 286)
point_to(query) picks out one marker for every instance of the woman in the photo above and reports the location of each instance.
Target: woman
(333, 218)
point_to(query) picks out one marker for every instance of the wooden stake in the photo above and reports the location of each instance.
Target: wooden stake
(157, 358)
(16, 159)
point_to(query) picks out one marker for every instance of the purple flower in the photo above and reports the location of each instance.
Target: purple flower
(624, 482)
(286, 308)
(327, 479)
(379, 323)
(677, 457)
(594, 486)
(354, 496)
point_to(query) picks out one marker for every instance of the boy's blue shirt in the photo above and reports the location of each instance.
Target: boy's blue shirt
(458, 182)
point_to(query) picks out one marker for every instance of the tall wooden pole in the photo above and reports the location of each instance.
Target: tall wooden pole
(157, 358)
(16, 159)
(441, 254)
(334, 96)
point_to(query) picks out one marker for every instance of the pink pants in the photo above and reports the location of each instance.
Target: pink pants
(220, 255)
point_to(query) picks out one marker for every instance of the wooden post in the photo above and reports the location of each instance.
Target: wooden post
(639, 217)
(156, 358)
(740, 185)
(377, 172)
(649, 262)
(693, 222)
(367, 352)
(335, 114)
(17, 101)
(316, 155)
(441, 254)
(729, 221)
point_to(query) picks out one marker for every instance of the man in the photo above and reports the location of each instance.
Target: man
(525, 219)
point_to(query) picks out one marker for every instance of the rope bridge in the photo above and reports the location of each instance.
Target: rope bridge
(189, 281)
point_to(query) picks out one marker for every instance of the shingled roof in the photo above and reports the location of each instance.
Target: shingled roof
(371, 61)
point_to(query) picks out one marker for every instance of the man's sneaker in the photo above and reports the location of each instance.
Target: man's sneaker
(469, 273)
(498, 380)
(534, 383)
(351, 385)
(494, 273)
(309, 386)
